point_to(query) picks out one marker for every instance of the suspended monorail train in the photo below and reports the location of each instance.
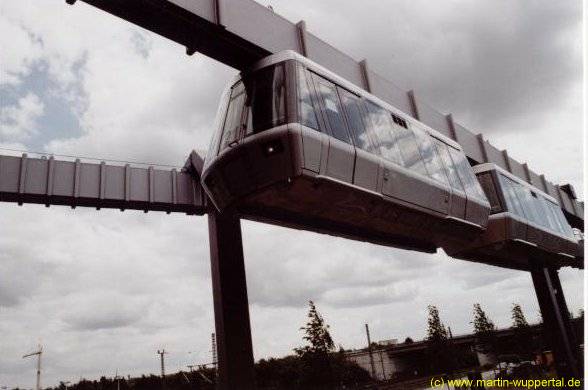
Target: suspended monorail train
(299, 146)
(526, 225)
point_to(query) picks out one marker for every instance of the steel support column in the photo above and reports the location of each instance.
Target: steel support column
(231, 307)
(556, 322)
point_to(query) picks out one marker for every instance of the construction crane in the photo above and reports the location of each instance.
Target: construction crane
(38, 354)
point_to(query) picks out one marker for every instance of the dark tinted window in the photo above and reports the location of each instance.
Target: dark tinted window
(384, 132)
(352, 107)
(330, 101)
(306, 110)
(266, 98)
(487, 183)
(234, 115)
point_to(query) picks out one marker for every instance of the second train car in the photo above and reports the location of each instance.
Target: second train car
(296, 145)
(527, 227)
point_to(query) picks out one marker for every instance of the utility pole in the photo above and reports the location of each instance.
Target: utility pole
(117, 379)
(367, 332)
(161, 354)
(38, 354)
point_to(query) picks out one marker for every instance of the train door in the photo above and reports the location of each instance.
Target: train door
(341, 153)
(367, 162)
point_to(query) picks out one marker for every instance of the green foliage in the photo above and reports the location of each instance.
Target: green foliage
(316, 333)
(438, 352)
(518, 318)
(305, 372)
(436, 331)
(484, 329)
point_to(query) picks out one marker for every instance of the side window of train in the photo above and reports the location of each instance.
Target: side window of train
(450, 168)
(430, 156)
(552, 218)
(234, 115)
(330, 102)
(306, 107)
(466, 174)
(409, 149)
(384, 132)
(513, 202)
(352, 108)
(559, 220)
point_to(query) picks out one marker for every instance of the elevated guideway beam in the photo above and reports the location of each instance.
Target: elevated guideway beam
(240, 32)
(74, 183)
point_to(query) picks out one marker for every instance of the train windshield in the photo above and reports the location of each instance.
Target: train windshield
(256, 103)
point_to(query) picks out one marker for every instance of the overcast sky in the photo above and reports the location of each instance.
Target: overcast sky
(102, 291)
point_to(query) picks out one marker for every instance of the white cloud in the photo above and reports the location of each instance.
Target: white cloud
(20, 121)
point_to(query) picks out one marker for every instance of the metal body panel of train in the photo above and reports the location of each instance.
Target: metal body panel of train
(525, 226)
(299, 146)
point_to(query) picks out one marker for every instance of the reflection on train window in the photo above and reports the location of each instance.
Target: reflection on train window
(384, 132)
(468, 179)
(306, 111)
(351, 105)
(234, 114)
(266, 98)
(513, 202)
(409, 149)
(430, 157)
(450, 169)
(534, 207)
(332, 106)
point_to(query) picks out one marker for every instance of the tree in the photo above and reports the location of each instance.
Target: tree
(408, 340)
(438, 352)
(316, 333)
(484, 329)
(523, 341)
(518, 318)
(436, 331)
(316, 363)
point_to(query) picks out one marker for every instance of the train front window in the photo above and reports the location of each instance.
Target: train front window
(487, 182)
(266, 99)
(234, 115)
(306, 110)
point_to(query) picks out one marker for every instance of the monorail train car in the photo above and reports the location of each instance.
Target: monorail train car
(526, 225)
(296, 145)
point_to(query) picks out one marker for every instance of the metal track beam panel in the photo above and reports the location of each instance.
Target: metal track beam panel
(73, 183)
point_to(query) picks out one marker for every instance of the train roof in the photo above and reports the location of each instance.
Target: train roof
(292, 55)
(486, 167)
